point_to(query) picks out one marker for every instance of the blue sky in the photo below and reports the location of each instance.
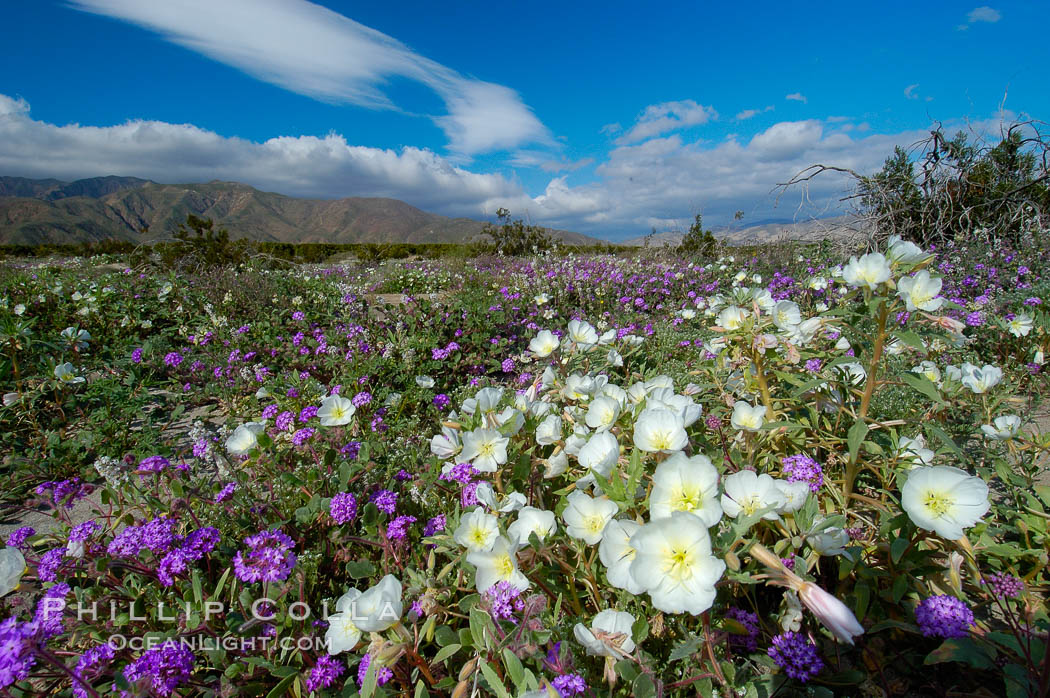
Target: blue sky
(608, 118)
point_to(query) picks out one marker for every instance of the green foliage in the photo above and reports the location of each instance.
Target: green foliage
(960, 189)
(198, 245)
(698, 241)
(514, 238)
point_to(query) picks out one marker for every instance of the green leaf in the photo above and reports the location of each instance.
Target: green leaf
(495, 685)
(446, 652)
(643, 687)
(856, 435)
(421, 689)
(360, 569)
(945, 439)
(282, 686)
(686, 648)
(514, 668)
(924, 385)
(960, 650)
(897, 548)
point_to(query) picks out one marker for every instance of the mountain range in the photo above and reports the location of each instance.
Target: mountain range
(36, 211)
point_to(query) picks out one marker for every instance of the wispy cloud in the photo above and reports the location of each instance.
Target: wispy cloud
(796, 97)
(980, 14)
(665, 117)
(311, 50)
(748, 113)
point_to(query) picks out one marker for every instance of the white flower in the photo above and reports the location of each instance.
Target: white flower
(920, 292)
(544, 343)
(336, 411)
(748, 418)
(686, 484)
(944, 499)
(794, 495)
(675, 565)
(20, 309)
(830, 541)
(981, 380)
(380, 607)
(549, 430)
(732, 318)
(747, 493)
(1006, 427)
(343, 634)
(532, 520)
(540, 298)
(616, 554)
(244, 438)
(904, 252)
(602, 413)
(586, 517)
(486, 449)
(65, 373)
(930, 370)
(786, 315)
(10, 399)
(498, 564)
(870, 270)
(1021, 325)
(556, 465)
(582, 334)
(914, 450)
(659, 430)
(487, 496)
(600, 453)
(12, 567)
(608, 636)
(424, 381)
(477, 531)
(446, 444)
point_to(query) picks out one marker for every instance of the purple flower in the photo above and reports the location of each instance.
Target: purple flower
(569, 684)
(351, 450)
(303, 435)
(813, 365)
(19, 536)
(802, 468)
(82, 531)
(308, 413)
(502, 600)
(226, 492)
(325, 673)
(748, 642)
(269, 558)
(1001, 584)
(343, 507)
(796, 655)
(441, 401)
(944, 616)
(159, 534)
(270, 411)
(49, 609)
(434, 525)
(361, 399)
(136, 356)
(17, 644)
(284, 420)
(385, 501)
(153, 464)
(89, 666)
(160, 670)
(383, 674)
(507, 365)
(398, 528)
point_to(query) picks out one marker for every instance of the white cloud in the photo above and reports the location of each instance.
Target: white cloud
(665, 178)
(668, 116)
(748, 113)
(796, 97)
(910, 92)
(326, 167)
(983, 14)
(311, 50)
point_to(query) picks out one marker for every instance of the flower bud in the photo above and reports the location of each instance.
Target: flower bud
(834, 614)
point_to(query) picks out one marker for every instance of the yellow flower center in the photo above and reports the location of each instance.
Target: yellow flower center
(594, 524)
(504, 566)
(686, 498)
(938, 503)
(679, 564)
(479, 537)
(750, 505)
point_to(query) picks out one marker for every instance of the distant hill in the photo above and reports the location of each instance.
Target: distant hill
(839, 227)
(35, 211)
